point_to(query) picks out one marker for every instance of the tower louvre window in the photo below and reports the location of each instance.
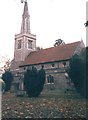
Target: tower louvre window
(29, 44)
(19, 44)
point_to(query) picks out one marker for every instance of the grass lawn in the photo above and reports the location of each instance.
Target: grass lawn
(52, 104)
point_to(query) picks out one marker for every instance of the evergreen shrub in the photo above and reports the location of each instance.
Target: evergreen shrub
(7, 77)
(78, 72)
(34, 81)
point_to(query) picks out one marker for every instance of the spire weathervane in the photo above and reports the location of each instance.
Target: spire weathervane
(23, 1)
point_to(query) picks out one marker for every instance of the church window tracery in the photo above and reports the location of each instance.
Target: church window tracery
(50, 79)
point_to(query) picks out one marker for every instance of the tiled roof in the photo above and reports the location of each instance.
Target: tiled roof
(62, 52)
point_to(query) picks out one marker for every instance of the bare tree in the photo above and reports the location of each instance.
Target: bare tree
(5, 63)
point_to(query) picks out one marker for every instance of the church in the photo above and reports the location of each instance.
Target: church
(54, 59)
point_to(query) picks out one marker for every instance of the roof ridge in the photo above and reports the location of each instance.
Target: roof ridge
(62, 45)
(51, 54)
(55, 46)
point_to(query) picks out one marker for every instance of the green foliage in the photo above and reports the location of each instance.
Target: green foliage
(59, 42)
(34, 81)
(7, 78)
(77, 72)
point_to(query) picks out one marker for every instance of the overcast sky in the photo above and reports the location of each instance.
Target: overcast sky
(49, 20)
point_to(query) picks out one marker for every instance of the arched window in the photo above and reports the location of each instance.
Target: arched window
(64, 63)
(53, 65)
(50, 79)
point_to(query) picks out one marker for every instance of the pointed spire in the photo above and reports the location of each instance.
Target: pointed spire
(25, 9)
(25, 27)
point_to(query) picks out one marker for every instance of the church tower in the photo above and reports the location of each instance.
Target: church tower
(25, 42)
